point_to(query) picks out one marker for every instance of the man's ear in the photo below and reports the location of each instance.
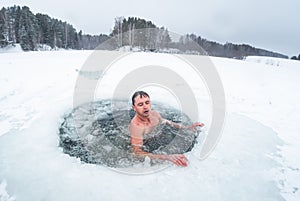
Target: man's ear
(133, 107)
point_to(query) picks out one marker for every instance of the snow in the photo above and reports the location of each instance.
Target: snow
(43, 47)
(256, 158)
(11, 48)
(3, 193)
(279, 62)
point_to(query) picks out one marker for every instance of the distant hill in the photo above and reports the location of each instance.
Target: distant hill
(31, 31)
(231, 50)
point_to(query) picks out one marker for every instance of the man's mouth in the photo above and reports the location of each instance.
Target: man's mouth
(146, 111)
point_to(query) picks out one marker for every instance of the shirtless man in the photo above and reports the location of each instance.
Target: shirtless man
(144, 121)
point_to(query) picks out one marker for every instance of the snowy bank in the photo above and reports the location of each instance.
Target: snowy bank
(256, 158)
(11, 48)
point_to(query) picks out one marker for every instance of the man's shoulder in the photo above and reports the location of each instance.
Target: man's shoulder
(134, 123)
(155, 113)
(136, 128)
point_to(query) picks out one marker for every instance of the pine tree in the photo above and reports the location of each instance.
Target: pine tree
(294, 58)
(3, 27)
(44, 22)
(28, 29)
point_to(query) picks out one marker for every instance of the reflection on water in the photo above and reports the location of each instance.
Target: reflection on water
(98, 133)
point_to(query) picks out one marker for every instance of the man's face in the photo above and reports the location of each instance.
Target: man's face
(142, 106)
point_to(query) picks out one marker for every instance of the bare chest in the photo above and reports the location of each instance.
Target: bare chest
(149, 126)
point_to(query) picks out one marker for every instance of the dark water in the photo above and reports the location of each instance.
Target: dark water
(98, 133)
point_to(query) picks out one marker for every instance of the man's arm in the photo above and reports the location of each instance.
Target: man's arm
(177, 125)
(136, 134)
(180, 126)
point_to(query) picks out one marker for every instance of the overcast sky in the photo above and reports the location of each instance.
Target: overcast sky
(267, 24)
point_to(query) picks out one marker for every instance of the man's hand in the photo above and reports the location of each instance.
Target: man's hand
(178, 159)
(194, 125)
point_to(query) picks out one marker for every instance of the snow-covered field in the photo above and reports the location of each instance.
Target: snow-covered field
(256, 158)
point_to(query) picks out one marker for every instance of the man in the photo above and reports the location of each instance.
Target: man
(142, 124)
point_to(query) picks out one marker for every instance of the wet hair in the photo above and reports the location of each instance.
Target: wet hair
(139, 93)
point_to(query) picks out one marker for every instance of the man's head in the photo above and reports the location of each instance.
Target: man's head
(139, 94)
(141, 103)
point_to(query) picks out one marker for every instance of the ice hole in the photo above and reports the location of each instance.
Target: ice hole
(98, 133)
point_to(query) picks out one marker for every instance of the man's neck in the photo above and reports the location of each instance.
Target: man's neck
(143, 119)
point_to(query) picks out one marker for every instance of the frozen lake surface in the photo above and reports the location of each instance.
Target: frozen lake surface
(255, 159)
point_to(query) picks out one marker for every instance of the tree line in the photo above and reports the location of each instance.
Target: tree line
(20, 25)
(295, 57)
(229, 50)
(137, 32)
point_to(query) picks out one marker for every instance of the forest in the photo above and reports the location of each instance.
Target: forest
(37, 31)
